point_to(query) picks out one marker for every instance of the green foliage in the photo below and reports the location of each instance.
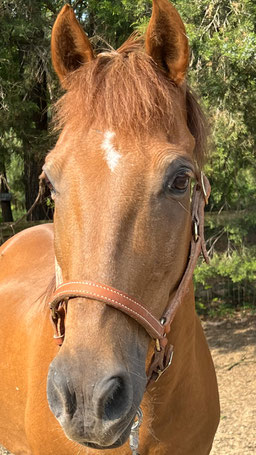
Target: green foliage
(230, 279)
(238, 267)
(26, 87)
(223, 71)
(113, 20)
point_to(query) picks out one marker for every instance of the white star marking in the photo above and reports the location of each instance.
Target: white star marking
(111, 155)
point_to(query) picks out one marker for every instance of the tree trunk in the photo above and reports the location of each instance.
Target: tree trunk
(5, 205)
(34, 156)
(32, 170)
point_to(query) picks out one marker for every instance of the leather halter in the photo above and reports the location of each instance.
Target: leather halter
(157, 329)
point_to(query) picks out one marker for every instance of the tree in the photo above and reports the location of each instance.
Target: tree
(5, 197)
(27, 85)
(25, 95)
(223, 72)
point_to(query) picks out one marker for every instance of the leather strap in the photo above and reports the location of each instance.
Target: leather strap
(112, 297)
(158, 330)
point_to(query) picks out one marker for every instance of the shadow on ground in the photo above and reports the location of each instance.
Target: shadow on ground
(231, 334)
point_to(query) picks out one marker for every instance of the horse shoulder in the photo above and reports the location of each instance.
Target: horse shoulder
(26, 270)
(29, 245)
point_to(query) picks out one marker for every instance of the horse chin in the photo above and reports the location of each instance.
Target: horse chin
(118, 443)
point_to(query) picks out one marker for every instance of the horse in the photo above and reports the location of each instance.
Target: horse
(121, 338)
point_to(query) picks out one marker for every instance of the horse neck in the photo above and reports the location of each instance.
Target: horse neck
(183, 337)
(183, 332)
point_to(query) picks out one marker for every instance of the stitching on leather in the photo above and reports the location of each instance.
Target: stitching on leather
(71, 291)
(106, 288)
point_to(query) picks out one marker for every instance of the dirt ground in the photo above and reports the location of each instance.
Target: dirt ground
(233, 346)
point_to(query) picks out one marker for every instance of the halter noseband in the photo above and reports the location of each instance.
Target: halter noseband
(157, 329)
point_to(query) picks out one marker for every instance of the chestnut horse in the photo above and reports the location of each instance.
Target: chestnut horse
(132, 139)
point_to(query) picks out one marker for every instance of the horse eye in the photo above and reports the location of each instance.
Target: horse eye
(180, 184)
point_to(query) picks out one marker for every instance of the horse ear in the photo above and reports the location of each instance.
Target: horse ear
(70, 45)
(166, 40)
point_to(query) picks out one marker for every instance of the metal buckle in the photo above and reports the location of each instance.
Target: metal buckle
(160, 372)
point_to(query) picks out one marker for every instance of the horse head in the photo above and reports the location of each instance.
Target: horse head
(120, 173)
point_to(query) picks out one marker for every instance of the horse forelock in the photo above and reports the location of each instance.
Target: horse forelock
(125, 91)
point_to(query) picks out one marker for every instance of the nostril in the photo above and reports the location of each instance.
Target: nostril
(114, 398)
(62, 400)
(115, 401)
(71, 404)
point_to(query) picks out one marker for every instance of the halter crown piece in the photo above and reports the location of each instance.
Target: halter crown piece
(157, 329)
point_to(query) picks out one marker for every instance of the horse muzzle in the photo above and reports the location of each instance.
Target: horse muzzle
(97, 413)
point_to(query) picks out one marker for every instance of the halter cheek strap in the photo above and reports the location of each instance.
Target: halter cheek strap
(157, 329)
